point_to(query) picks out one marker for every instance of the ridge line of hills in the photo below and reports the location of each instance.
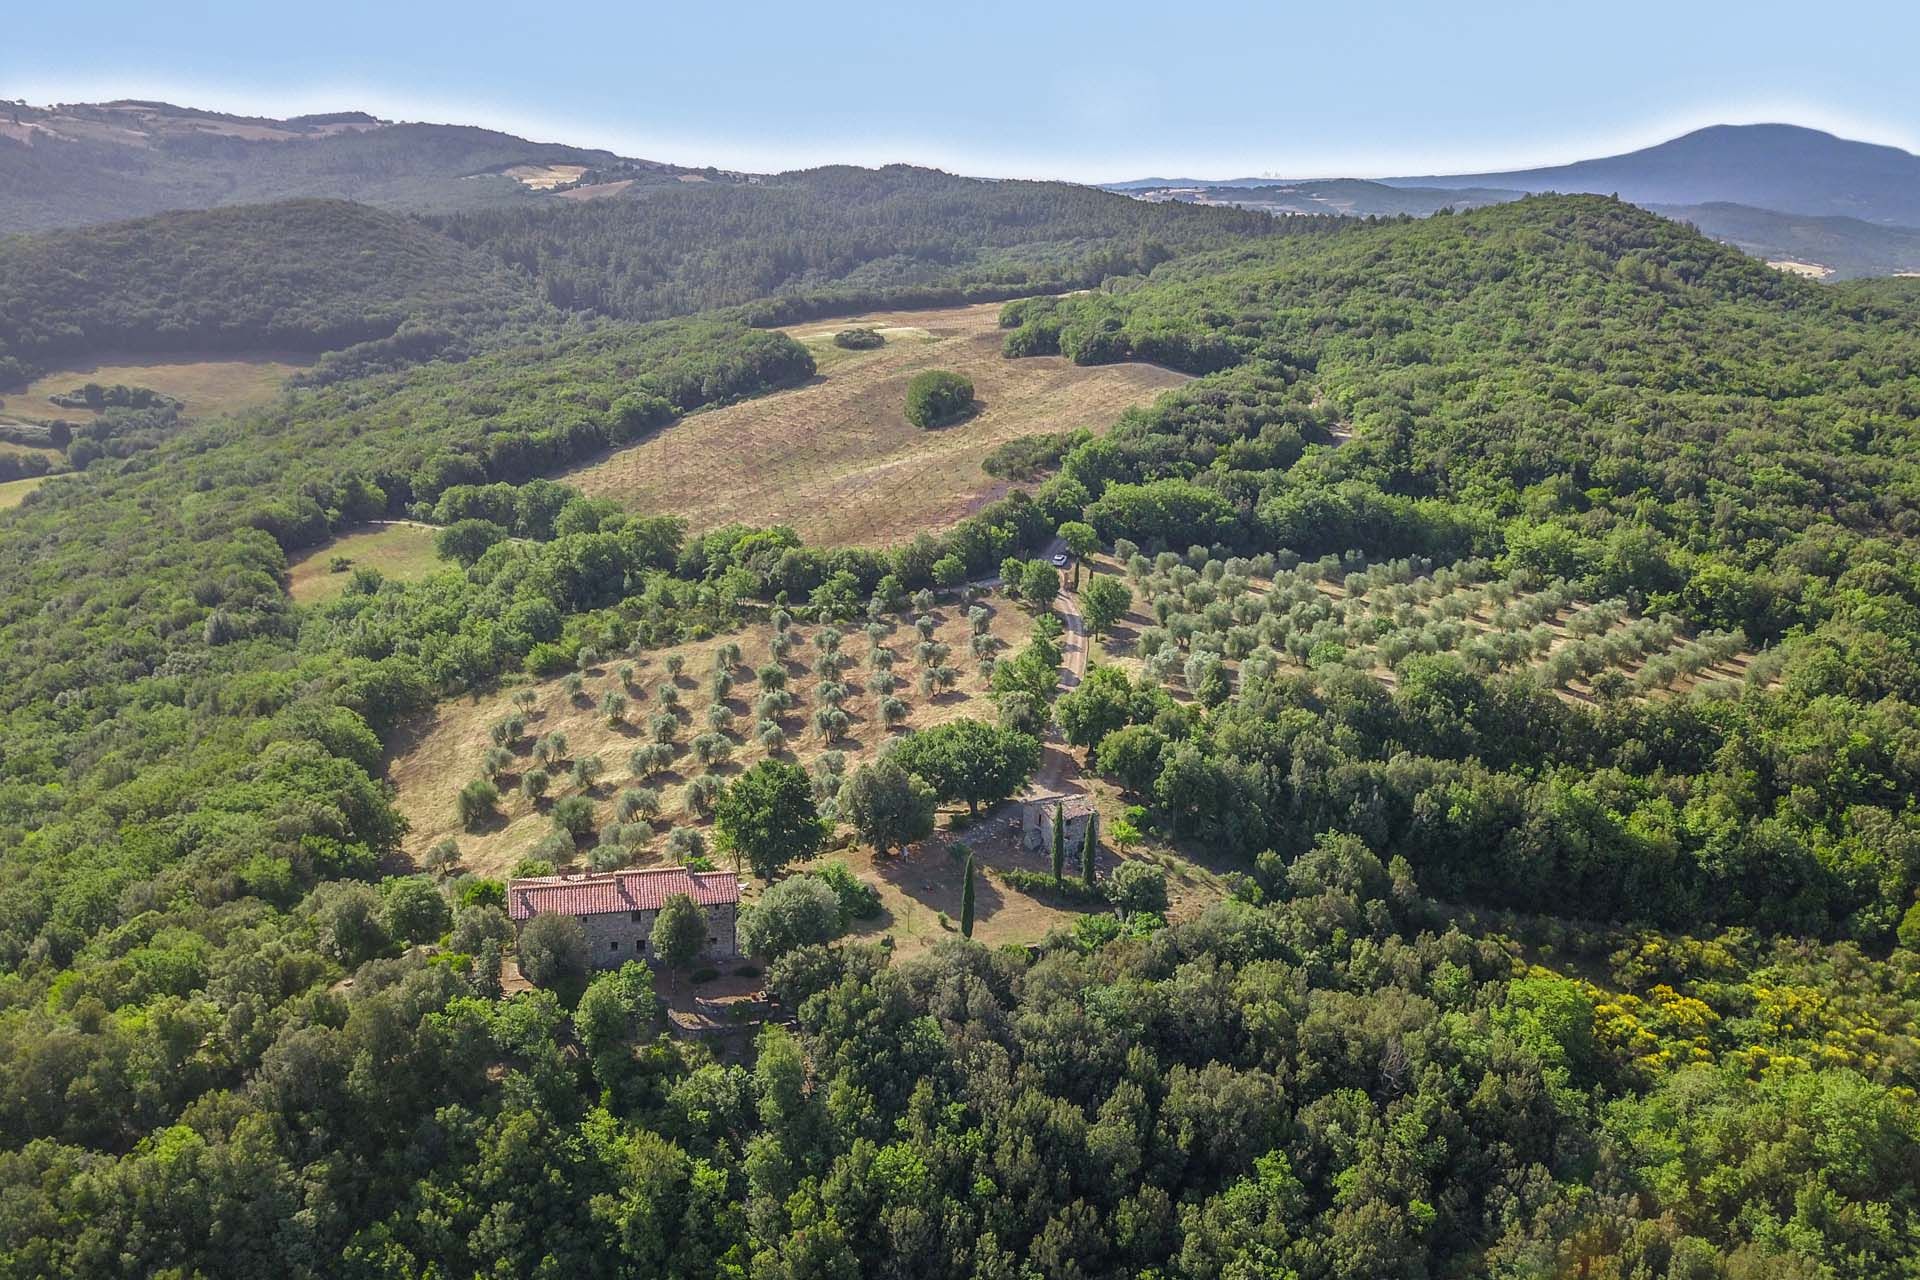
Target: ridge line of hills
(1778, 192)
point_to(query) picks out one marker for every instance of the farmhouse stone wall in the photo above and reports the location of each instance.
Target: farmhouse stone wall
(615, 937)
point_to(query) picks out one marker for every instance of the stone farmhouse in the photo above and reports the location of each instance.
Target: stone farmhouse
(1036, 821)
(618, 908)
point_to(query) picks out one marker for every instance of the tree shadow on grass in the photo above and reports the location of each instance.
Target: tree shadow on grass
(931, 878)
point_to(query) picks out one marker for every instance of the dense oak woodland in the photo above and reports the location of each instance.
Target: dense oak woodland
(842, 238)
(1508, 985)
(307, 275)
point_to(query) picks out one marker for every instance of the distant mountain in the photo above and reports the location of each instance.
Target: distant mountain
(74, 165)
(1347, 197)
(1147, 184)
(1768, 166)
(1829, 248)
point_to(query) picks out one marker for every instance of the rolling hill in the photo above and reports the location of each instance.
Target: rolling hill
(1845, 247)
(1770, 166)
(1346, 197)
(304, 275)
(72, 165)
(842, 237)
(1779, 192)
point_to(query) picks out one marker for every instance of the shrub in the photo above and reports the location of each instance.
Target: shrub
(413, 910)
(702, 793)
(792, 913)
(859, 339)
(1137, 886)
(476, 803)
(937, 397)
(858, 899)
(574, 815)
(553, 952)
(1040, 884)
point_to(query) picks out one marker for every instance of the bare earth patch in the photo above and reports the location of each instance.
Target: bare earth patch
(596, 190)
(1811, 270)
(205, 384)
(544, 177)
(837, 459)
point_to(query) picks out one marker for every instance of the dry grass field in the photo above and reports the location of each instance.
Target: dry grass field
(837, 459)
(403, 552)
(442, 752)
(206, 384)
(544, 177)
(12, 492)
(8, 449)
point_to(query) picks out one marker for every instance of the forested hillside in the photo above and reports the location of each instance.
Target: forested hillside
(1508, 983)
(306, 275)
(843, 238)
(80, 164)
(1599, 396)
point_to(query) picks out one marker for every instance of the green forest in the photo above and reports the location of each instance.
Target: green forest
(1505, 983)
(839, 239)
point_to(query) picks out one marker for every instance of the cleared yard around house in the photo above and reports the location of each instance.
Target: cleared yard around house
(837, 459)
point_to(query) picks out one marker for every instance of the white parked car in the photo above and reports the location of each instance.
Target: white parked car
(1059, 559)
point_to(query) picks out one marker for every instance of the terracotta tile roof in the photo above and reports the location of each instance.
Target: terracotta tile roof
(590, 895)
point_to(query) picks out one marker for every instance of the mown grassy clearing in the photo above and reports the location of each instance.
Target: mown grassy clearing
(403, 552)
(14, 492)
(205, 384)
(837, 459)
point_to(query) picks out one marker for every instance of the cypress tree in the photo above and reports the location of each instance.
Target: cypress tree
(1059, 844)
(1088, 848)
(966, 901)
(486, 970)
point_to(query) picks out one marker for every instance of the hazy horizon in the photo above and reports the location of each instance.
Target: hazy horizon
(1007, 91)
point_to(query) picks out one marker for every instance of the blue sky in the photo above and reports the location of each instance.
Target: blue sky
(1044, 88)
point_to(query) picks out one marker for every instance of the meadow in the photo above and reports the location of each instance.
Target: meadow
(206, 384)
(837, 459)
(399, 551)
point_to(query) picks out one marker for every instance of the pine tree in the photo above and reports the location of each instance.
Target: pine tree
(966, 901)
(1059, 845)
(1089, 848)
